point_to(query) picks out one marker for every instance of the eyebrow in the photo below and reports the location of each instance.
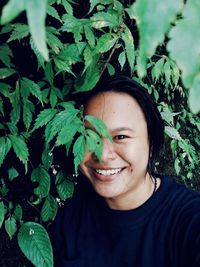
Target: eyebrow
(121, 129)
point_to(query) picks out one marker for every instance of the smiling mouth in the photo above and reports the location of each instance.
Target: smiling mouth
(108, 172)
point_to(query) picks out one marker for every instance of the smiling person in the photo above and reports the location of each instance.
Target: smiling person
(122, 213)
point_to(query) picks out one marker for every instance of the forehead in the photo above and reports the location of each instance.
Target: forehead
(115, 107)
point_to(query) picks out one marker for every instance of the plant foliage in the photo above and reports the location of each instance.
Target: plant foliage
(52, 50)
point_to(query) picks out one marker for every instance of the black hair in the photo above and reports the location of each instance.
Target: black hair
(155, 125)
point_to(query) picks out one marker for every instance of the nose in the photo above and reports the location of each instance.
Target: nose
(108, 151)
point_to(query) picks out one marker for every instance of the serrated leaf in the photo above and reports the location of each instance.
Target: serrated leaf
(62, 118)
(129, 47)
(78, 151)
(94, 143)
(157, 69)
(44, 117)
(19, 32)
(11, 10)
(104, 19)
(172, 133)
(186, 29)
(49, 73)
(51, 11)
(106, 42)
(63, 65)
(49, 209)
(47, 157)
(194, 95)
(40, 58)
(68, 132)
(65, 187)
(20, 148)
(54, 42)
(122, 59)
(89, 34)
(34, 242)
(164, 12)
(17, 214)
(41, 176)
(32, 87)
(2, 149)
(36, 14)
(10, 226)
(90, 78)
(5, 89)
(53, 98)
(28, 109)
(99, 126)
(68, 7)
(167, 72)
(6, 55)
(2, 213)
(6, 72)
(16, 105)
(12, 174)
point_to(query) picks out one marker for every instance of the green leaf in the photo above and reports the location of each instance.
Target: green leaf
(67, 6)
(32, 87)
(53, 12)
(53, 41)
(49, 73)
(122, 59)
(99, 126)
(20, 148)
(106, 42)
(194, 95)
(186, 29)
(6, 55)
(129, 47)
(49, 209)
(2, 149)
(19, 32)
(62, 118)
(12, 174)
(10, 226)
(40, 58)
(167, 72)
(41, 176)
(89, 34)
(94, 143)
(78, 151)
(47, 157)
(28, 109)
(2, 213)
(16, 105)
(111, 69)
(6, 72)
(157, 69)
(17, 214)
(11, 10)
(44, 117)
(53, 98)
(172, 133)
(34, 242)
(104, 19)
(65, 187)
(36, 14)
(68, 132)
(164, 13)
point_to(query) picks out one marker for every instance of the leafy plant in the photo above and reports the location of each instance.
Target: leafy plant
(67, 47)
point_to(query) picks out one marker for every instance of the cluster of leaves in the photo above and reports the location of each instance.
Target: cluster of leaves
(73, 45)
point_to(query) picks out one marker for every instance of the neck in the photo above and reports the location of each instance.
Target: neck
(135, 197)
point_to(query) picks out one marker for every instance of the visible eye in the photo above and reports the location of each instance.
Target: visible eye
(120, 137)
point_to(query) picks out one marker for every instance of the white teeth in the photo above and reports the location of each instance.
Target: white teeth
(108, 172)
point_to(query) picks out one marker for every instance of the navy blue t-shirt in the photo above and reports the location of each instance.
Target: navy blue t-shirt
(162, 232)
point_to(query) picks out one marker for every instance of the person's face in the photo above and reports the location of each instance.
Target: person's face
(123, 166)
